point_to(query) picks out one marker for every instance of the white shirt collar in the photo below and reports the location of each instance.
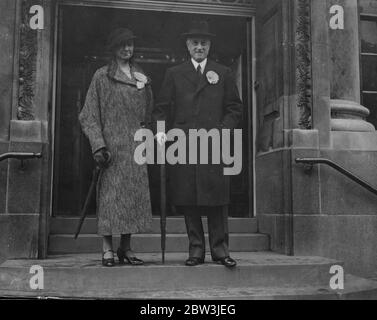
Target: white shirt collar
(202, 64)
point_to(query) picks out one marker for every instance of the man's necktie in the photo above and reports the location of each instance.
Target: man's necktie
(199, 72)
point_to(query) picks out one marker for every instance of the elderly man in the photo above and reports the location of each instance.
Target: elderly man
(200, 94)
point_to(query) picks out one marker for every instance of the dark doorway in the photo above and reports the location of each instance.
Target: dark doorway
(81, 42)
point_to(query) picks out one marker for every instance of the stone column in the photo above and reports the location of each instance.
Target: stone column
(7, 32)
(346, 112)
(24, 190)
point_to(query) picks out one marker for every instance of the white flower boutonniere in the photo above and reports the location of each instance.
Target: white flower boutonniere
(212, 77)
(141, 80)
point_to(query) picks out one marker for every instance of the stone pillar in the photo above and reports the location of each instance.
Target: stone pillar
(25, 190)
(346, 112)
(7, 33)
(320, 71)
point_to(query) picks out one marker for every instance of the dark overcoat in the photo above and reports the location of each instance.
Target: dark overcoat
(115, 108)
(186, 102)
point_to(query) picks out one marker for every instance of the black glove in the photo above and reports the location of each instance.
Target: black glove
(102, 157)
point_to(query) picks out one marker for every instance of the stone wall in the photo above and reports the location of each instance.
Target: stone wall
(21, 185)
(321, 212)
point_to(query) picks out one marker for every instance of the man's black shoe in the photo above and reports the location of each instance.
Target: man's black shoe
(192, 262)
(227, 262)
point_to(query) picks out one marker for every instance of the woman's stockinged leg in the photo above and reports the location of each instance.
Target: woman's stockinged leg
(125, 252)
(125, 244)
(107, 247)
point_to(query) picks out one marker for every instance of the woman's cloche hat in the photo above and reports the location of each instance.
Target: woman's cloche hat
(118, 37)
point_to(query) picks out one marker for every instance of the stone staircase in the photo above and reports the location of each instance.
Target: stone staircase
(73, 269)
(243, 237)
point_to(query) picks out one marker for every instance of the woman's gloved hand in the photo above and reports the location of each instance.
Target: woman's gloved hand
(102, 157)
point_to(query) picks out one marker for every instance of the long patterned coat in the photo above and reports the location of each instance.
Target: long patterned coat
(115, 108)
(185, 102)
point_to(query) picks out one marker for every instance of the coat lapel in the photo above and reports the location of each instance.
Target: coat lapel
(115, 73)
(203, 80)
(189, 72)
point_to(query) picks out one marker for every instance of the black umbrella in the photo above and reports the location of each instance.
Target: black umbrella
(92, 191)
(89, 198)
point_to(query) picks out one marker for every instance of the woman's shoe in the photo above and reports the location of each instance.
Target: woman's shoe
(108, 262)
(122, 255)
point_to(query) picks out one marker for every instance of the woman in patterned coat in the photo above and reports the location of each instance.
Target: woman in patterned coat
(118, 103)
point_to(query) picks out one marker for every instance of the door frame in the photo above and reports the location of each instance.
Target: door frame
(188, 6)
(179, 7)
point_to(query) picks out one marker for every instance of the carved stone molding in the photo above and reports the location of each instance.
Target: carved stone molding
(240, 8)
(349, 116)
(231, 2)
(303, 63)
(27, 64)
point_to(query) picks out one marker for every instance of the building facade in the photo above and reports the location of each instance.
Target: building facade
(306, 71)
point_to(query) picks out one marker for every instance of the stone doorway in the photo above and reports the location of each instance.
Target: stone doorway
(81, 36)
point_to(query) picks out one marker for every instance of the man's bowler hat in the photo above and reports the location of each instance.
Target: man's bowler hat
(198, 28)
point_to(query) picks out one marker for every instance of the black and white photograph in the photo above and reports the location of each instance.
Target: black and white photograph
(204, 151)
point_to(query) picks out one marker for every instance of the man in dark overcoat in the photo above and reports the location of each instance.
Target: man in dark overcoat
(200, 94)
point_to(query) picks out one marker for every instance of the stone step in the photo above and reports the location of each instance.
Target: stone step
(357, 289)
(65, 225)
(91, 243)
(83, 276)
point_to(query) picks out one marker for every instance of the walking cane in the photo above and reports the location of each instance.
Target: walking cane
(89, 197)
(163, 205)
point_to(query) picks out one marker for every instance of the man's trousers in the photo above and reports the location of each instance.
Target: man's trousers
(217, 230)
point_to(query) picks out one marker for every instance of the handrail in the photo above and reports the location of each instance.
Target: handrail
(332, 164)
(20, 155)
